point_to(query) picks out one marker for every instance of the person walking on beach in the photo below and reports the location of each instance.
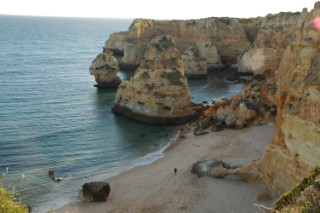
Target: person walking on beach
(175, 171)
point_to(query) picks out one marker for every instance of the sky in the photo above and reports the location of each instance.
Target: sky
(156, 9)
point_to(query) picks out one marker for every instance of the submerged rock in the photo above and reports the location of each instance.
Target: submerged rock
(95, 191)
(158, 92)
(54, 177)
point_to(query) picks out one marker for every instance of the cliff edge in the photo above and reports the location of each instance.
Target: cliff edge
(204, 44)
(295, 149)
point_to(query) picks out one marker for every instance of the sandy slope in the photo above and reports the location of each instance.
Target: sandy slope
(155, 187)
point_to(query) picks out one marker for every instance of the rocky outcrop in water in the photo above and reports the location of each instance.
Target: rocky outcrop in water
(158, 92)
(104, 68)
(205, 43)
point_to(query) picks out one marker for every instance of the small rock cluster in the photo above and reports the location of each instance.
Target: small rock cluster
(252, 106)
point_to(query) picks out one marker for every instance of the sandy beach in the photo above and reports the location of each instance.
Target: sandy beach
(155, 187)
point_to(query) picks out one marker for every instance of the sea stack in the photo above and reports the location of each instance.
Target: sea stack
(104, 68)
(158, 92)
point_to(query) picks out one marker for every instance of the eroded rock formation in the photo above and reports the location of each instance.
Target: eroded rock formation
(205, 43)
(275, 33)
(194, 65)
(291, 92)
(104, 68)
(284, 48)
(158, 92)
(253, 105)
(295, 149)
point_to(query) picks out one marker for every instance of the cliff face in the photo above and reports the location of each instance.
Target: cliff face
(295, 149)
(210, 41)
(158, 92)
(275, 34)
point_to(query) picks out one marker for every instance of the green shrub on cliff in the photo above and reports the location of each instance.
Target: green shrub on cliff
(303, 198)
(7, 205)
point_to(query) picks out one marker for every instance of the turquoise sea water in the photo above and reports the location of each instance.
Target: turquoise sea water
(51, 116)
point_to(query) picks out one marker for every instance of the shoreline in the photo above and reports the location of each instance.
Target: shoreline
(154, 187)
(149, 158)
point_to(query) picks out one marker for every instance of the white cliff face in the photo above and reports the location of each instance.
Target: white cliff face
(260, 61)
(104, 68)
(158, 92)
(274, 36)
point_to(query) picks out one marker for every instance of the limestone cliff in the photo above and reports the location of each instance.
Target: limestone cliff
(158, 92)
(275, 34)
(251, 27)
(104, 68)
(295, 149)
(194, 65)
(287, 53)
(204, 43)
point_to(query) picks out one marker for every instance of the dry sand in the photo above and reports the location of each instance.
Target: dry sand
(155, 187)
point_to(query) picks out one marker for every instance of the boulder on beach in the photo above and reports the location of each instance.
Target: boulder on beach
(213, 168)
(218, 169)
(95, 191)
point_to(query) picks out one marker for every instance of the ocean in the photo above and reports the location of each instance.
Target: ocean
(52, 118)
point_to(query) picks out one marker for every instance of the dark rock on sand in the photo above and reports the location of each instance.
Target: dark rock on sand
(213, 168)
(95, 191)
